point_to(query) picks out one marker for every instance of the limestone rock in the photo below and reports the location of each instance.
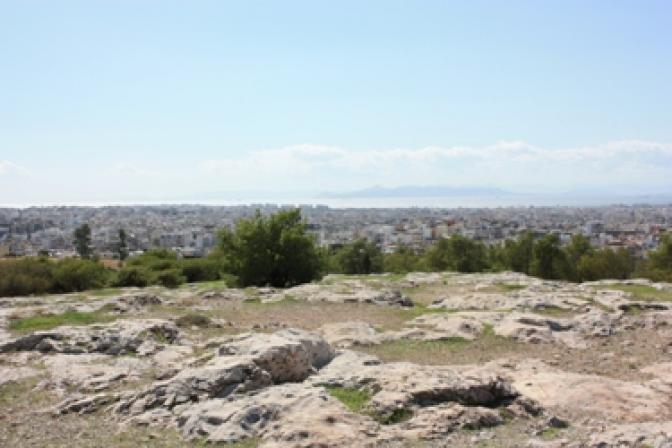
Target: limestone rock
(137, 301)
(349, 334)
(288, 355)
(81, 404)
(581, 394)
(244, 363)
(655, 434)
(124, 336)
(350, 291)
(287, 415)
(91, 372)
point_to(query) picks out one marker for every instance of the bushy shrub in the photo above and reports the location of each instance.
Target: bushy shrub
(170, 278)
(26, 276)
(402, 261)
(604, 264)
(200, 269)
(133, 276)
(31, 275)
(360, 257)
(79, 275)
(154, 267)
(457, 253)
(658, 267)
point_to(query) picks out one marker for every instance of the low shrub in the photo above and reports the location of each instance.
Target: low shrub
(200, 269)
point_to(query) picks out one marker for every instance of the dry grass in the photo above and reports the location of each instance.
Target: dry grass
(642, 292)
(427, 294)
(447, 351)
(292, 313)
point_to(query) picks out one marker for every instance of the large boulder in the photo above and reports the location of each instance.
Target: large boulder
(287, 415)
(243, 363)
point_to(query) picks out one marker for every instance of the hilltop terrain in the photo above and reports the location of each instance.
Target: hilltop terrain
(416, 360)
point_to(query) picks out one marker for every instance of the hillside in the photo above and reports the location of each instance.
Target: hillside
(424, 359)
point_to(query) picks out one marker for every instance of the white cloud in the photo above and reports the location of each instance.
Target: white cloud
(127, 170)
(507, 163)
(8, 168)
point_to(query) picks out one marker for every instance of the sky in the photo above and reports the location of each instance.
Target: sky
(194, 101)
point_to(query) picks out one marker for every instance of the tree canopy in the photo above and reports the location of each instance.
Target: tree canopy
(274, 250)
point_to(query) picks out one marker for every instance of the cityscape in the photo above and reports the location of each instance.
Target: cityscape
(191, 230)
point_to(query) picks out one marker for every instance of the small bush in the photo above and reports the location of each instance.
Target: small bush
(200, 269)
(154, 267)
(133, 276)
(170, 278)
(79, 275)
(26, 276)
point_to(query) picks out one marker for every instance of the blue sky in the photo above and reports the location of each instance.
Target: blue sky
(133, 101)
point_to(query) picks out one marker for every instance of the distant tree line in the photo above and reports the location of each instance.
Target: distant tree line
(277, 250)
(544, 257)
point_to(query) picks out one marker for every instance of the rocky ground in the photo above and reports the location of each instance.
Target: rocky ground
(422, 360)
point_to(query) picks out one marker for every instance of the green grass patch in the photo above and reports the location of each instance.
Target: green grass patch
(549, 433)
(419, 309)
(553, 311)
(353, 399)
(642, 292)
(454, 350)
(49, 321)
(404, 348)
(488, 331)
(356, 400)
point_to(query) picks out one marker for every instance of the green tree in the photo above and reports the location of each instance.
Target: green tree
(578, 248)
(82, 241)
(518, 254)
(658, 265)
(122, 250)
(604, 264)
(359, 257)
(549, 261)
(274, 250)
(403, 260)
(458, 253)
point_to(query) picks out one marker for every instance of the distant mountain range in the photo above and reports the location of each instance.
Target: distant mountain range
(492, 196)
(417, 191)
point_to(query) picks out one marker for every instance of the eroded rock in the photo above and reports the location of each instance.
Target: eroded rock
(120, 337)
